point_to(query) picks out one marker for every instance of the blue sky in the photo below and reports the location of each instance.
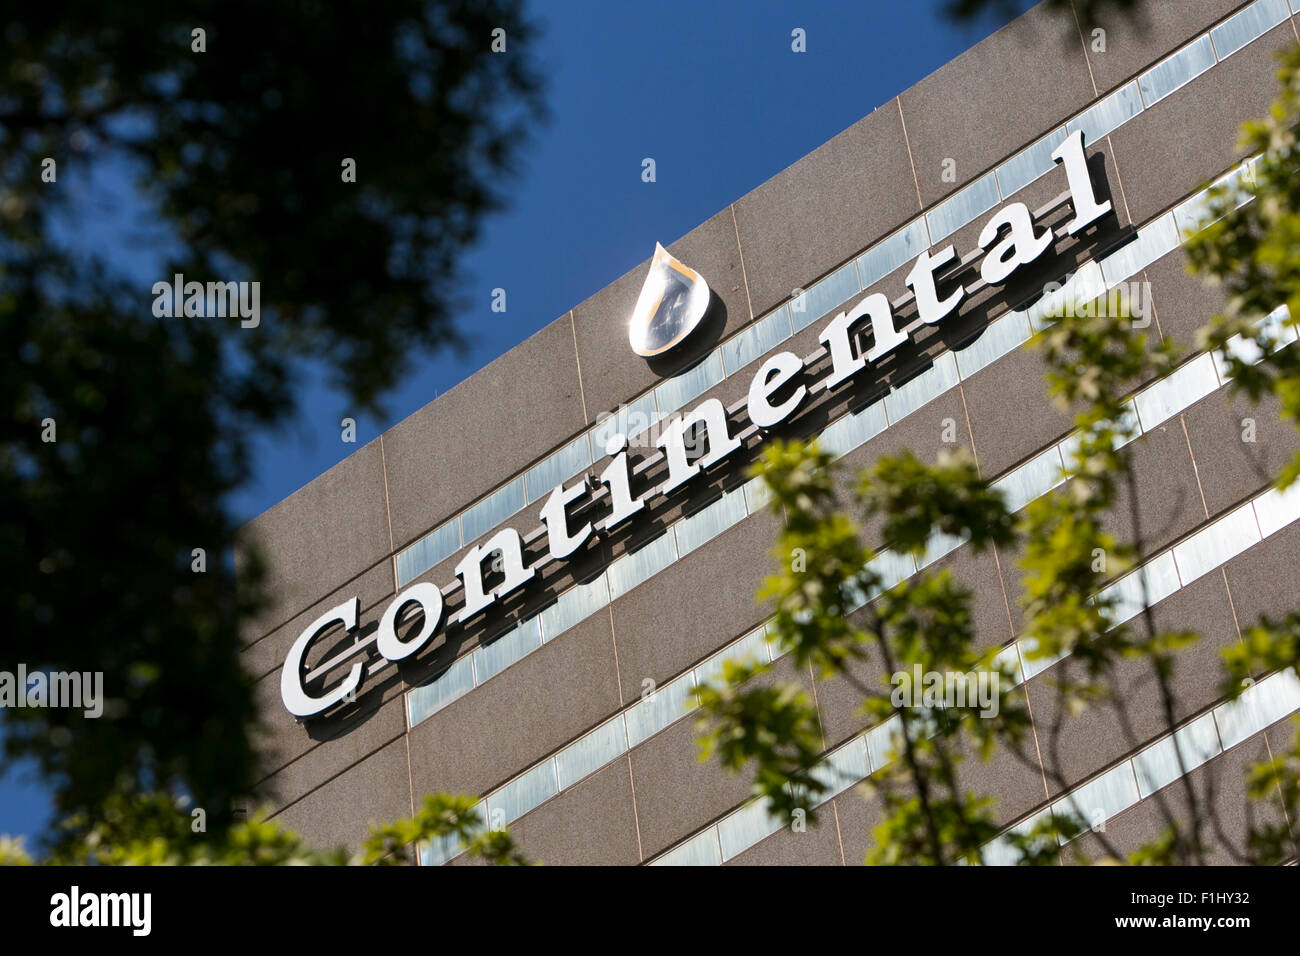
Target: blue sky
(711, 91)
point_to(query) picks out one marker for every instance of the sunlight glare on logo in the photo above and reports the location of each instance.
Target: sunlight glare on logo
(672, 302)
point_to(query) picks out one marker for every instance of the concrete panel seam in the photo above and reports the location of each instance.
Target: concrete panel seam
(1084, 43)
(1196, 471)
(817, 708)
(410, 777)
(1155, 312)
(388, 511)
(613, 639)
(1006, 600)
(970, 432)
(744, 273)
(582, 392)
(839, 835)
(636, 817)
(1038, 747)
(920, 203)
(1119, 180)
(1232, 605)
(1268, 752)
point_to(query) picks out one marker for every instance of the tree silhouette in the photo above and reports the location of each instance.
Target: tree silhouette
(230, 126)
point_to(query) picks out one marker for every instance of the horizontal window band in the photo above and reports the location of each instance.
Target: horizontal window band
(1011, 175)
(595, 499)
(1089, 278)
(1113, 791)
(1242, 729)
(1157, 574)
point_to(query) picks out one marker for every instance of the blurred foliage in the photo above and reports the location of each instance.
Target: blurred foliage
(155, 830)
(1089, 13)
(233, 156)
(1253, 254)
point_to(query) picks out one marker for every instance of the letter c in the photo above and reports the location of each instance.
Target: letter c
(296, 699)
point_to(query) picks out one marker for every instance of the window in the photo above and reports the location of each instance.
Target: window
(492, 658)
(1250, 24)
(1030, 163)
(1175, 71)
(591, 752)
(455, 681)
(436, 546)
(492, 511)
(835, 289)
(560, 467)
(953, 213)
(631, 569)
(1157, 765)
(655, 712)
(761, 337)
(923, 388)
(900, 248)
(1109, 114)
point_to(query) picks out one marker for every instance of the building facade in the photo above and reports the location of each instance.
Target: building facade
(563, 629)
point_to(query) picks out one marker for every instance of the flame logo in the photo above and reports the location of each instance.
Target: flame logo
(672, 302)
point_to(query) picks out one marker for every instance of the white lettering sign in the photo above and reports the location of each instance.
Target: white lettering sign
(1014, 242)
